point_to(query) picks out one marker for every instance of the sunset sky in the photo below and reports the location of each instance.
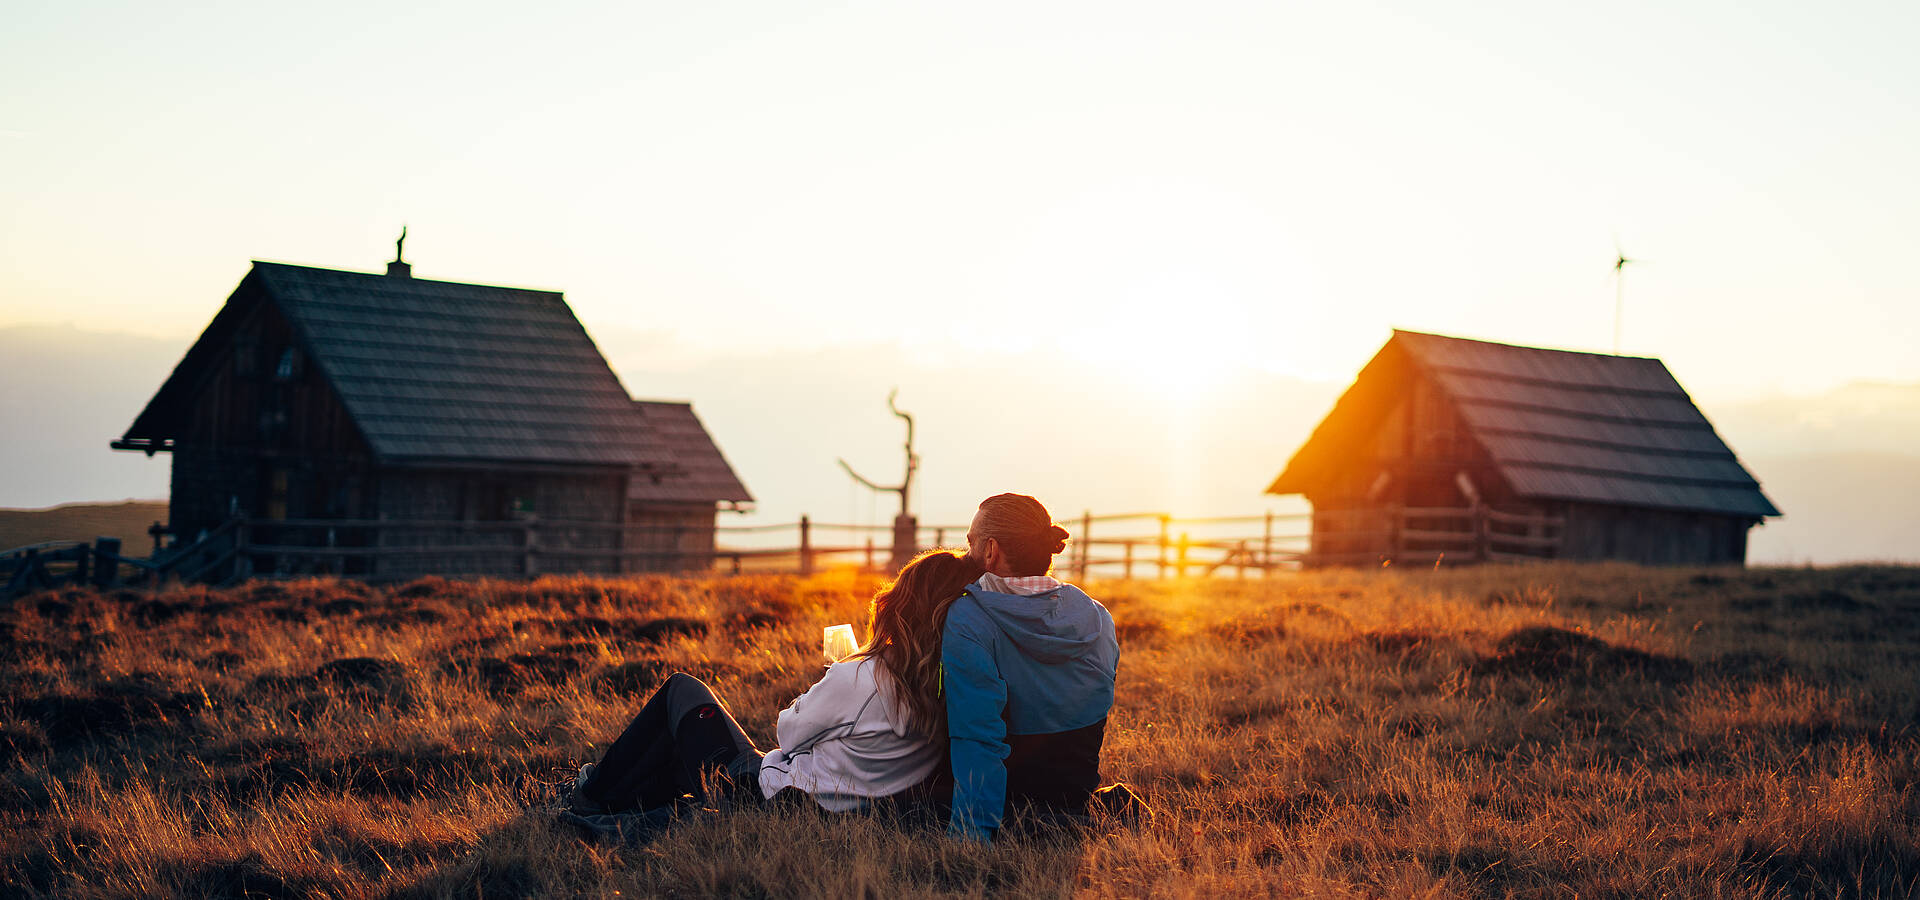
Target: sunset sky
(1137, 199)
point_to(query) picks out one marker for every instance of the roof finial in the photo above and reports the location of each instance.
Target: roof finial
(399, 268)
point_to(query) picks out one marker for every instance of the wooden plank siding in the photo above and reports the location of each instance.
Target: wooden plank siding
(324, 395)
(265, 434)
(1611, 447)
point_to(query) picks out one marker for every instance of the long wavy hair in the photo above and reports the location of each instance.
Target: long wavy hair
(904, 627)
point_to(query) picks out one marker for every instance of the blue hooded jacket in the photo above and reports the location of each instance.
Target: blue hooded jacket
(1029, 682)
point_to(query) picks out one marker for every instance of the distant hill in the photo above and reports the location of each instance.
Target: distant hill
(1840, 507)
(127, 521)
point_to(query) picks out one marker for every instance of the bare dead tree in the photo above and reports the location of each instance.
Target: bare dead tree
(904, 526)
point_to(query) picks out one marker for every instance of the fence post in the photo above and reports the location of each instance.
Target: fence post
(1183, 554)
(27, 573)
(1266, 548)
(82, 555)
(939, 537)
(1086, 542)
(806, 545)
(906, 539)
(1129, 563)
(106, 563)
(1241, 552)
(1163, 544)
(869, 552)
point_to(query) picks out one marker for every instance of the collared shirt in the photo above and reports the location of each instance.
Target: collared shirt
(1024, 585)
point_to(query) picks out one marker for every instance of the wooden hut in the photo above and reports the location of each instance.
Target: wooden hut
(1452, 450)
(386, 426)
(671, 513)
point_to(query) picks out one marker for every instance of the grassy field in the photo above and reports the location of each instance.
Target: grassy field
(127, 521)
(1600, 731)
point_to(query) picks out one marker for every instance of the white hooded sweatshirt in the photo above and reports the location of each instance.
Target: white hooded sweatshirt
(846, 741)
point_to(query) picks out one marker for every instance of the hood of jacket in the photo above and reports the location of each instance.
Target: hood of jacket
(1051, 627)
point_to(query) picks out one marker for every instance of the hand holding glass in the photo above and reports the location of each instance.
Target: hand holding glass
(838, 643)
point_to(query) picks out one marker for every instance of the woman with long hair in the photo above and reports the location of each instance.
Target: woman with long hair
(871, 728)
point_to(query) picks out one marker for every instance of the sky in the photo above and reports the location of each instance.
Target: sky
(1120, 200)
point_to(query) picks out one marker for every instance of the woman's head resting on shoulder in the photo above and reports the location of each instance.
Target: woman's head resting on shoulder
(907, 618)
(1013, 535)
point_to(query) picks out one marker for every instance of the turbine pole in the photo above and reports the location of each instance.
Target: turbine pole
(1620, 261)
(1619, 298)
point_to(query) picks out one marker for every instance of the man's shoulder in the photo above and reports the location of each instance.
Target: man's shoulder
(967, 617)
(1078, 594)
(1073, 594)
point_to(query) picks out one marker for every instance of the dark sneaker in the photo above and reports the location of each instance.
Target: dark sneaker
(574, 801)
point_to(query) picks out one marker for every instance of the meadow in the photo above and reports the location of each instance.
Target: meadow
(1592, 731)
(127, 521)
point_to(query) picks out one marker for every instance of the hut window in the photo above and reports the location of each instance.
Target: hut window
(289, 365)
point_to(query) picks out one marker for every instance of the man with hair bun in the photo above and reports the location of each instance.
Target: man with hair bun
(1028, 666)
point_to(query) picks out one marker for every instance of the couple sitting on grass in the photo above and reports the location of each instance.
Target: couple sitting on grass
(981, 695)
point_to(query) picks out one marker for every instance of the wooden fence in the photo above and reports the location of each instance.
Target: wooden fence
(1133, 545)
(1154, 544)
(1395, 535)
(1161, 545)
(58, 563)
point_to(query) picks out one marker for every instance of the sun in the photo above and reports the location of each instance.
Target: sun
(1190, 367)
(1173, 359)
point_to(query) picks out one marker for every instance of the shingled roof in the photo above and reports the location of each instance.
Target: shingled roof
(1565, 425)
(436, 371)
(702, 475)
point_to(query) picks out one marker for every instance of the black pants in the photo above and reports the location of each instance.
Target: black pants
(683, 739)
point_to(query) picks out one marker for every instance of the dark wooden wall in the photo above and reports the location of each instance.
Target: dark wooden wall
(678, 536)
(550, 498)
(265, 435)
(1420, 445)
(263, 394)
(1653, 536)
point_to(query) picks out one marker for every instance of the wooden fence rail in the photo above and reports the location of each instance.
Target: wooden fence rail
(1126, 546)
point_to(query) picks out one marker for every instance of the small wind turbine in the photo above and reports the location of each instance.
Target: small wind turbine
(1620, 261)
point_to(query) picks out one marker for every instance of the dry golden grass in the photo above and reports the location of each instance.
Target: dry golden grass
(1559, 731)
